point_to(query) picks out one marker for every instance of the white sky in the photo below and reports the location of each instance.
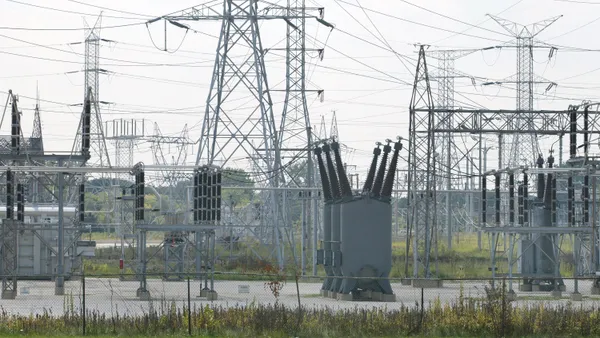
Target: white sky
(363, 80)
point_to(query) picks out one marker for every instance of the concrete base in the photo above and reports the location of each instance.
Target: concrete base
(547, 288)
(406, 281)
(323, 293)
(9, 294)
(525, 287)
(212, 295)
(388, 298)
(576, 297)
(511, 295)
(332, 294)
(345, 296)
(595, 290)
(377, 296)
(59, 290)
(368, 295)
(556, 293)
(427, 283)
(143, 294)
(203, 293)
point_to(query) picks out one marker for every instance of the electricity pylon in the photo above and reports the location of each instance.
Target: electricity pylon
(231, 131)
(523, 148)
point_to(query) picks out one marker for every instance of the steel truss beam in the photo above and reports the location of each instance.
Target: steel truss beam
(476, 121)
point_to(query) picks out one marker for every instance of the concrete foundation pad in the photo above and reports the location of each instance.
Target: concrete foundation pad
(9, 294)
(345, 296)
(59, 290)
(332, 294)
(427, 283)
(556, 293)
(388, 298)
(576, 297)
(212, 295)
(525, 287)
(377, 296)
(536, 288)
(562, 288)
(406, 281)
(203, 293)
(511, 295)
(143, 294)
(595, 290)
(323, 293)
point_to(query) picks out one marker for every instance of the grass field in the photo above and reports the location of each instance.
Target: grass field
(463, 260)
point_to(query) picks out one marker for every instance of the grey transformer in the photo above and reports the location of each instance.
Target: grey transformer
(357, 239)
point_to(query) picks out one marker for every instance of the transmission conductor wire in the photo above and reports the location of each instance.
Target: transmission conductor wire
(69, 12)
(111, 9)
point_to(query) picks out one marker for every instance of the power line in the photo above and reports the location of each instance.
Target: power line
(67, 29)
(112, 9)
(478, 24)
(579, 2)
(420, 23)
(455, 20)
(68, 11)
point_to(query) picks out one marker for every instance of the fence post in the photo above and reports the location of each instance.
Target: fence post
(503, 307)
(189, 307)
(83, 301)
(422, 310)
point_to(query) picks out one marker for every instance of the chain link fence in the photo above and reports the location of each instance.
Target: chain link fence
(107, 304)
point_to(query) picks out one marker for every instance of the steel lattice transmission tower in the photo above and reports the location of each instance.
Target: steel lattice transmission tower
(421, 173)
(295, 131)
(233, 132)
(448, 158)
(523, 148)
(90, 138)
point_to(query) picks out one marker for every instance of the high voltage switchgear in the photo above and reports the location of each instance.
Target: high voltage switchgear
(357, 226)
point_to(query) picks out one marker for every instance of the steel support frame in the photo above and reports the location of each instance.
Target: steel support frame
(422, 225)
(9, 258)
(427, 121)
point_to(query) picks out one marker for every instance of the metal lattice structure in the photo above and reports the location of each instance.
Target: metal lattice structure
(173, 150)
(90, 139)
(421, 173)
(523, 149)
(226, 138)
(449, 158)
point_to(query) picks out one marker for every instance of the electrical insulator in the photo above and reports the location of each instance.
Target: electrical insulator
(81, 202)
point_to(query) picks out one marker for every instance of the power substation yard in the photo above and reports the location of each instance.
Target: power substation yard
(266, 194)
